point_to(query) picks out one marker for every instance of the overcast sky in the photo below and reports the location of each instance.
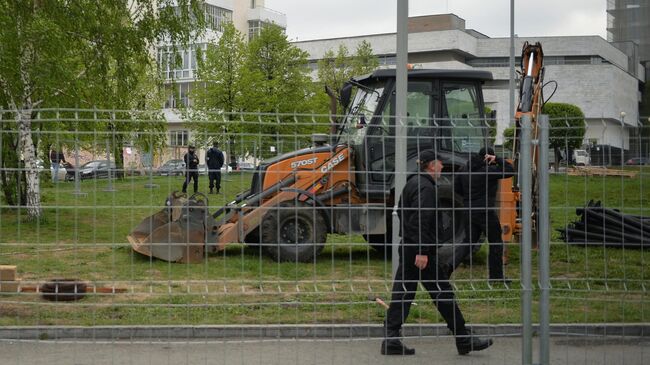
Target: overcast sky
(315, 19)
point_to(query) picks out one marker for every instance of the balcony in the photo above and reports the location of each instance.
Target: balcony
(267, 15)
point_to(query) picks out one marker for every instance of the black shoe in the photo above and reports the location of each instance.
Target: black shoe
(394, 346)
(468, 343)
(218, 190)
(211, 192)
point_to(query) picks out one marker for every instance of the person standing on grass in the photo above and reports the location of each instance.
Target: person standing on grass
(191, 168)
(418, 262)
(478, 183)
(56, 160)
(214, 160)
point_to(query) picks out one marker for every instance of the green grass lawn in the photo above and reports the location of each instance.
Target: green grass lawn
(84, 237)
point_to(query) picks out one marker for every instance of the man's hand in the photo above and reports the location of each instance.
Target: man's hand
(490, 158)
(421, 261)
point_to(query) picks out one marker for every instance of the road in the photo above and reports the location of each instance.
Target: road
(355, 351)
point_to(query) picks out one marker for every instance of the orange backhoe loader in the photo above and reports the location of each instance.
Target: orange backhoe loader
(346, 186)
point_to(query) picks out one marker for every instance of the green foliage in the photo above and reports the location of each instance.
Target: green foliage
(335, 69)
(509, 138)
(567, 125)
(268, 76)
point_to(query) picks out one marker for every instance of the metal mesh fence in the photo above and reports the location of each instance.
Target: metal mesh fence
(293, 248)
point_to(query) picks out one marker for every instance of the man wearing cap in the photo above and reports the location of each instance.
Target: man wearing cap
(191, 168)
(478, 182)
(418, 262)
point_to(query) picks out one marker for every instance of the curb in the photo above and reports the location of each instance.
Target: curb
(298, 331)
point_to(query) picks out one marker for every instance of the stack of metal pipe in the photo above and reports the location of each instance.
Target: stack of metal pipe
(600, 226)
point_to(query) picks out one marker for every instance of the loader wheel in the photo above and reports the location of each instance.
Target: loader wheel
(294, 232)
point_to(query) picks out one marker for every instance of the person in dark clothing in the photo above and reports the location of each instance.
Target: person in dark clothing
(418, 261)
(56, 159)
(214, 160)
(191, 168)
(478, 182)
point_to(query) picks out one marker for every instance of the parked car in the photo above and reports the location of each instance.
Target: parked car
(638, 161)
(245, 166)
(172, 168)
(203, 169)
(95, 170)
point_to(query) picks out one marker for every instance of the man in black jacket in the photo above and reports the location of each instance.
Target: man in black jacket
(191, 168)
(214, 160)
(478, 182)
(419, 262)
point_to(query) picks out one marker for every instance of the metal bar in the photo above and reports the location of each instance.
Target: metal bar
(511, 81)
(525, 179)
(544, 246)
(400, 120)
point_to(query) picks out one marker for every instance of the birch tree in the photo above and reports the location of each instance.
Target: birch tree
(79, 53)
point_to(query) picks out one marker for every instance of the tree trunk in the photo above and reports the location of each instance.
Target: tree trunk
(118, 154)
(26, 146)
(9, 159)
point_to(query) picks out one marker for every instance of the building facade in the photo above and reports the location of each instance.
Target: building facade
(591, 73)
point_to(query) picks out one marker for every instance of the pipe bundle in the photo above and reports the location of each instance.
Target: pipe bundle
(600, 226)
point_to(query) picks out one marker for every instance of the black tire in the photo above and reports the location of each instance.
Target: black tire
(454, 227)
(295, 232)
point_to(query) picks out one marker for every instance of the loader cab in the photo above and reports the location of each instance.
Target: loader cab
(445, 111)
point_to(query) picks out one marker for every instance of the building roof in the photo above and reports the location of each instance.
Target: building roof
(431, 74)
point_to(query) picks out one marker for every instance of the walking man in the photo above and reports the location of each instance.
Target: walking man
(191, 168)
(418, 262)
(478, 182)
(214, 160)
(56, 159)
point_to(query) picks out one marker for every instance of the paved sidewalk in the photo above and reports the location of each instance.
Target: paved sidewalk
(357, 351)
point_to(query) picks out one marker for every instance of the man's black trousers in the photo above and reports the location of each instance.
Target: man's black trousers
(191, 175)
(435, 281)
(215, 179)
(478, 223)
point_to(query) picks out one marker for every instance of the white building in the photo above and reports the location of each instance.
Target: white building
(590, 72)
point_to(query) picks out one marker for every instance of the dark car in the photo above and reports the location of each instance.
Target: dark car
(638, 161)
(172, 168)
(99, 169)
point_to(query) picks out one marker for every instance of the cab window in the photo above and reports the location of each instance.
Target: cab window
(462, 126)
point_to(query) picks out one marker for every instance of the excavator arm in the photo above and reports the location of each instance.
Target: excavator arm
(530, 104)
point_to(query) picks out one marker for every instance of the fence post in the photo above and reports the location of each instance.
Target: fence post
(543, 242)
(400, 120)
(526, 240)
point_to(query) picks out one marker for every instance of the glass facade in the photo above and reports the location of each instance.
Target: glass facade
(629, 20)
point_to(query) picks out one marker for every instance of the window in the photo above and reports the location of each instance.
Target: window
(216, 17)
(254, 28)
(178, 138)
(179, 63)
(462, 130)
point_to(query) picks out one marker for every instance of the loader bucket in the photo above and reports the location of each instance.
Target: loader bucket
(177, 233)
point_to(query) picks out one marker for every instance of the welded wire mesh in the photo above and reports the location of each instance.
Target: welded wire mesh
(298, 241)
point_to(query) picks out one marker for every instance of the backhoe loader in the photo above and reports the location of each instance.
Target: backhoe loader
(344, 186)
